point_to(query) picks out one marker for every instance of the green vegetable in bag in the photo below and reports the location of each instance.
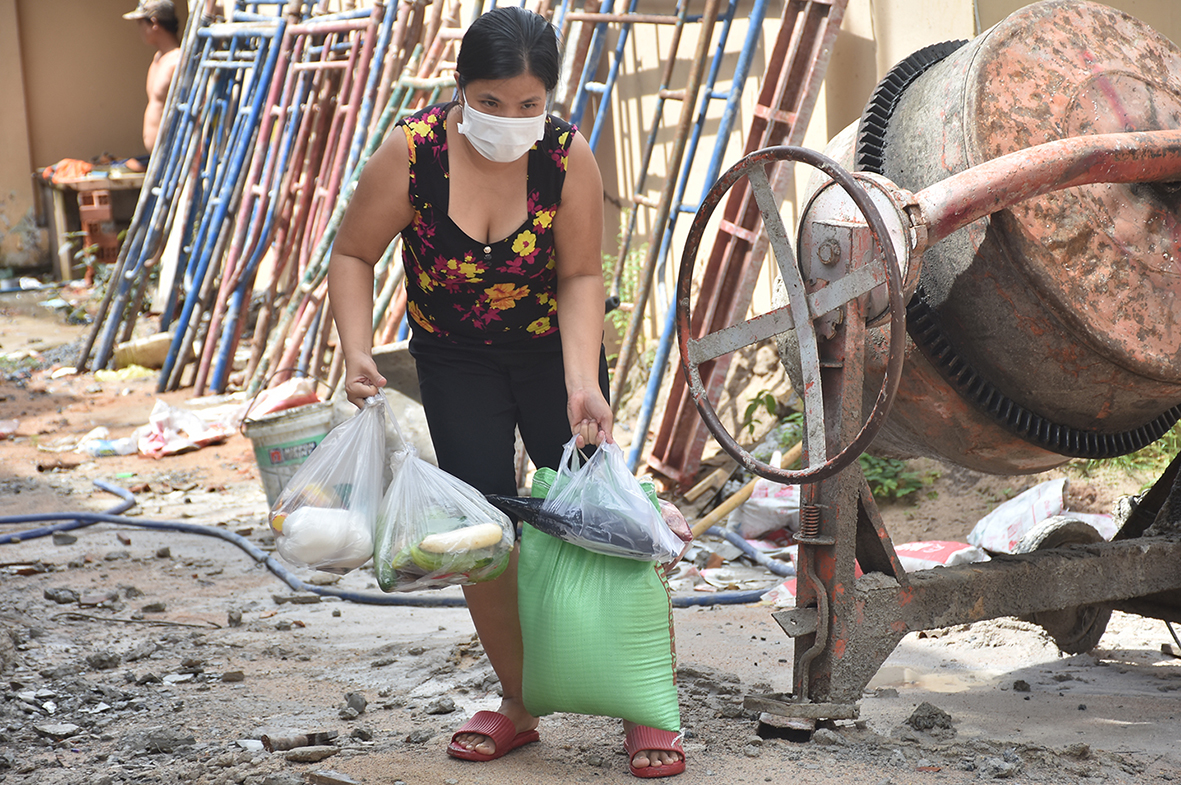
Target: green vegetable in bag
(435, 530)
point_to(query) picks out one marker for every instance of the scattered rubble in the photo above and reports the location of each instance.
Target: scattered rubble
(129, 656)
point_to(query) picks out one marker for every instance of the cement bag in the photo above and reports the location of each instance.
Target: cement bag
(1000, 530)
(927, 554)
(771, 506)
(325, 515)
(597, 631)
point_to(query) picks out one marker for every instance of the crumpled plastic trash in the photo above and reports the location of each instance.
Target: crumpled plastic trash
(98, 443)
(1003, 528)
(125, 373)
(297, 391)
(172, 430)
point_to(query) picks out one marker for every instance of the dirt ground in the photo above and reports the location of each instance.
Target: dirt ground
(139, 652)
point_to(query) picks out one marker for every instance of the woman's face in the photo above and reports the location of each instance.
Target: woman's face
(518, 96)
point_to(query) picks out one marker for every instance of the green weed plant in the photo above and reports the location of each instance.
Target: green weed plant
(1145, 465)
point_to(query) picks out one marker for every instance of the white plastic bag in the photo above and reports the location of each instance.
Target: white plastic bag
(771, 506)
(436, 530)
(607, 510)
(326, 515)
(1001, 529)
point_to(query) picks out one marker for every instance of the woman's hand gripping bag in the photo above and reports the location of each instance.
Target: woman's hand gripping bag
(597, 630)
(604, 508)
(326, 515)
(435, 530)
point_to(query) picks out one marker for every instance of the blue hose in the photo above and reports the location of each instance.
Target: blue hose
(32, 534)
(758, 557)
(76, 520)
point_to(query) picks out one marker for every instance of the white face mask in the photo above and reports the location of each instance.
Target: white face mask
(501, 139)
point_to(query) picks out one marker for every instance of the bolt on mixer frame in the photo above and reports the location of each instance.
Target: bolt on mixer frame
(860, 244)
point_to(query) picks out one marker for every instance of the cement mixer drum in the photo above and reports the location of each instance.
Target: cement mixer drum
(1066, 308)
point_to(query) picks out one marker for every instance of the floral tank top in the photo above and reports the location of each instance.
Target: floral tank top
(465, 291)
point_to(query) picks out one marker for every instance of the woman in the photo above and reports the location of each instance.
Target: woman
(500, 209)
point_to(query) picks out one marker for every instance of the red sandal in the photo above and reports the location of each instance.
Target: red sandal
(495, 726)
(641, 737)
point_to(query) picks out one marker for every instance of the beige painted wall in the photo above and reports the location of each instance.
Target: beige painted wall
(72, 77)
(15, 191)
(85, 69)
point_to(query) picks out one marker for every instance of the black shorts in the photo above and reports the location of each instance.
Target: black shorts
(475, 398)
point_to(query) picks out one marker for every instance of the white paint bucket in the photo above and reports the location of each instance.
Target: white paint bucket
(284, 440)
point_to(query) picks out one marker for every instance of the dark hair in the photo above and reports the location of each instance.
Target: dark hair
(168, 23)
(506, 42)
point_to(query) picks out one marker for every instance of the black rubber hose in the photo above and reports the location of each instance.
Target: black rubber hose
(75, 520)
(125, 505)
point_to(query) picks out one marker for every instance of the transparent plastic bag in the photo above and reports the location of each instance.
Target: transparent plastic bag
(326, 515)
(435, 530)
(605, 509)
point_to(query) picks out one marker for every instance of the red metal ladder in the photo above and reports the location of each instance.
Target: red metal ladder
(791, 82)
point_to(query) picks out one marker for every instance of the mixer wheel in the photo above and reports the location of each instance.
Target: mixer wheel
(701, 343)
(1077, 629)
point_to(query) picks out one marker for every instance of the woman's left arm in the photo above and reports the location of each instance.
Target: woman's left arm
(578, 241)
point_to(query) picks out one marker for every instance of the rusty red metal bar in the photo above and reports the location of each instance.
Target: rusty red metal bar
(1137, 157)
(791, 82)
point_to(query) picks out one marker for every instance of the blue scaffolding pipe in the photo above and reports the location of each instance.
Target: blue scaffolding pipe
(240, 141)
(664, 347)
(245, 282)
(241, 292)
(185, 135)
(143, 246)
(722, 140)
(217, 93)
(578, 105)
(608, 87)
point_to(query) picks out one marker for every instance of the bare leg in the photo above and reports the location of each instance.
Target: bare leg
(493, 607)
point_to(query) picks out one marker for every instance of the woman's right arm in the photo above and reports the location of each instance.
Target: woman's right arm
(379, 210)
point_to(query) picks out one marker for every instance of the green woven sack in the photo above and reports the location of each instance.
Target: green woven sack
(597, 630)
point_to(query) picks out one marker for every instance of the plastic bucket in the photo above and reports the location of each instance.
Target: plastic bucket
(284, 440)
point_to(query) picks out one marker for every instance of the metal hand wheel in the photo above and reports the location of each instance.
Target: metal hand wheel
(804, 310)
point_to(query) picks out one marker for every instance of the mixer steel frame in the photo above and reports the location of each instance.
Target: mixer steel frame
(846, 626)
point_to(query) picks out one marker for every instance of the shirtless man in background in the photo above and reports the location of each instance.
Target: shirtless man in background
(158, 27)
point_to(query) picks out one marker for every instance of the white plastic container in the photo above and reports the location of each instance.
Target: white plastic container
(283, 440)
